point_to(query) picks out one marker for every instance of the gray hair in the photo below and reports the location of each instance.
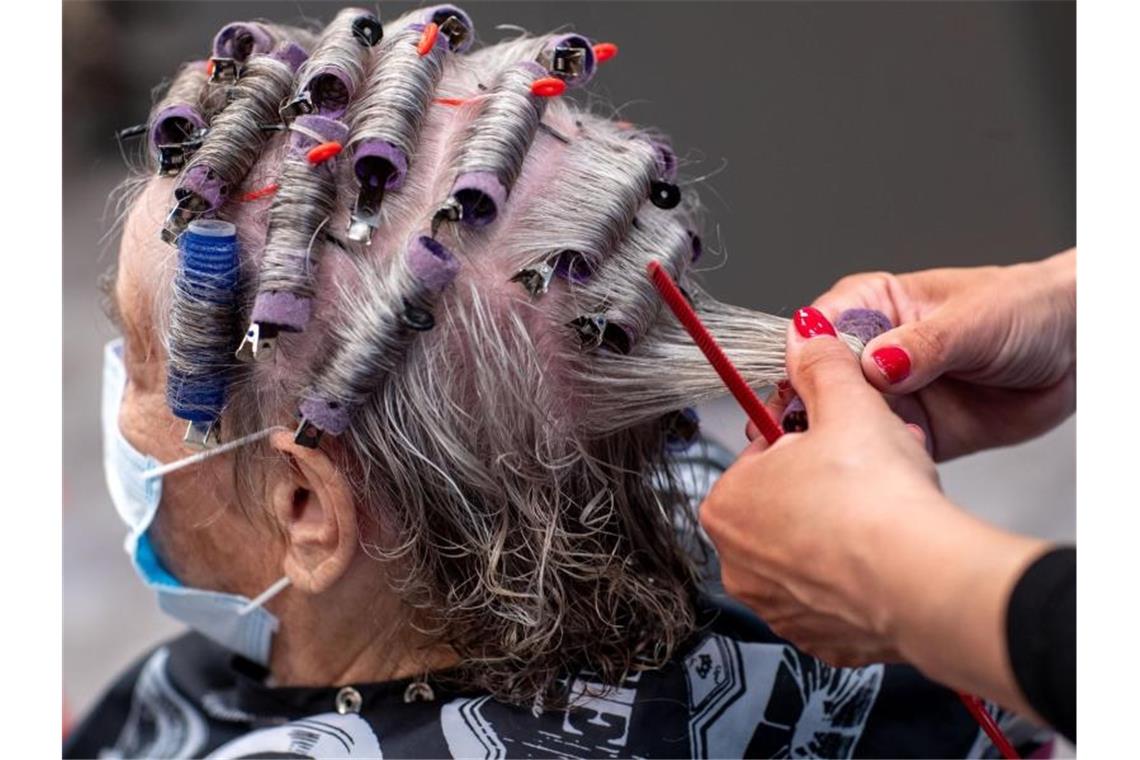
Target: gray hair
(520, 472)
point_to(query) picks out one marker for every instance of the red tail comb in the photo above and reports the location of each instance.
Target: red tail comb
(731, 377)
(762, 418)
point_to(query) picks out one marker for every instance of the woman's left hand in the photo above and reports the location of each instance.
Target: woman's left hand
(823, 533)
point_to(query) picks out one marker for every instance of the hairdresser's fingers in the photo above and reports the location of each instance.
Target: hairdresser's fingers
(918, 433)
(825, 372)
(913, 355)
(869, 290)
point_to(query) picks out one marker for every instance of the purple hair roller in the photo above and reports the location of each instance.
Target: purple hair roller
(310, 131)
(454, 24)
(571, 57)
(291, 54)
(429, 261)
(327, 416)
(379, 166)
(242, 39)
(208, 189)
(234, 44)
(175, 124)
(175, 134)
(864, 324)
(479, 196)
(330, 90)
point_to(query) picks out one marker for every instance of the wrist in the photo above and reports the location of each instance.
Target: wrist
(949, 589)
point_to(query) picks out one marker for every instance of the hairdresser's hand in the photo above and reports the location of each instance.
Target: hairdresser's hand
(988, 353)
(842, 541)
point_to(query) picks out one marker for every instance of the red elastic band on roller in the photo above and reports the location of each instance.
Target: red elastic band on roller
(256, 195)
(324, 152)
(450, 101)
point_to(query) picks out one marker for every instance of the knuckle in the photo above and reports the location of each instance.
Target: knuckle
(930, 341)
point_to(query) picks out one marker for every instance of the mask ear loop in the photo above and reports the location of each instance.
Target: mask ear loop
(281, 583)
(278, 586)
(178, 464)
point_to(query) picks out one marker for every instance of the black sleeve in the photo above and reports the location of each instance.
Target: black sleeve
(1041, 631)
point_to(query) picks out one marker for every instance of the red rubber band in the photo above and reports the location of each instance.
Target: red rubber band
(427, 39)
(210, 67)
(450, 101)
(603, 51)
(547, 87)
(256, 195)
(324, 152)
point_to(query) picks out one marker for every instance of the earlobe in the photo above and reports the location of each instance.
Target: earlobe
(313, 504)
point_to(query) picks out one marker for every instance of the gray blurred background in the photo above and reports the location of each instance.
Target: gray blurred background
(839, 137)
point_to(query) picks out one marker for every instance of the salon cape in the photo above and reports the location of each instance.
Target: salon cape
(734, 690)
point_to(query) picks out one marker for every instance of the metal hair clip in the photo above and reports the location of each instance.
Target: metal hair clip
(224, 70)
(367, 30)
(173, 156)
(258, 344)
(416, 317)
(536, 278)
(594, 330)
(298, 106)
(455, 31)
(450, 211)
(307, 434)
(566, 61)
(201, 435)
(188, 208)
(366, 214)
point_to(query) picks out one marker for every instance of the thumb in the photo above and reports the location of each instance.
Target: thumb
(913, 355)
(825, 371)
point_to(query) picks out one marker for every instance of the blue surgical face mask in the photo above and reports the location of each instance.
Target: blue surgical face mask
(135, 482)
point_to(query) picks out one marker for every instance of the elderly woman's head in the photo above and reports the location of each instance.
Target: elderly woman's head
(471, 386)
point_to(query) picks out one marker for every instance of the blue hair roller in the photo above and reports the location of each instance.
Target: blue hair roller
(205, 290)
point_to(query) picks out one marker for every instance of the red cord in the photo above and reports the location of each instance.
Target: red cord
(986, 721)
(254, 195)
(763, 419)
(547, 87)
(324, 152)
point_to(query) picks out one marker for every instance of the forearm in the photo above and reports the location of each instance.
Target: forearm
(944, 587)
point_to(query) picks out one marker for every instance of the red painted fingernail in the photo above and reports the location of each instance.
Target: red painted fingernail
(893, 361)
(810, 322)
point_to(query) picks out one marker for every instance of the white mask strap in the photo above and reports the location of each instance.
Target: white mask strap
(280, 585)
(163, 469)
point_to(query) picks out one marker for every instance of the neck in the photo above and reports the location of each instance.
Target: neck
(356, 632)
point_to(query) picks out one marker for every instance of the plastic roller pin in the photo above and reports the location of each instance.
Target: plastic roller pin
(258, 343)
(367, 30)
(664, 195)
(201, 435)
(298, 106)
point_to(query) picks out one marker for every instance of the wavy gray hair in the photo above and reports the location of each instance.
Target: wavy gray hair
(514, 458)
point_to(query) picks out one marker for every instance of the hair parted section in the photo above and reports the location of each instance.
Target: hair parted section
(506, 444)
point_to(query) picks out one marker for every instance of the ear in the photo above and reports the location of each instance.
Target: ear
(313, 504)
